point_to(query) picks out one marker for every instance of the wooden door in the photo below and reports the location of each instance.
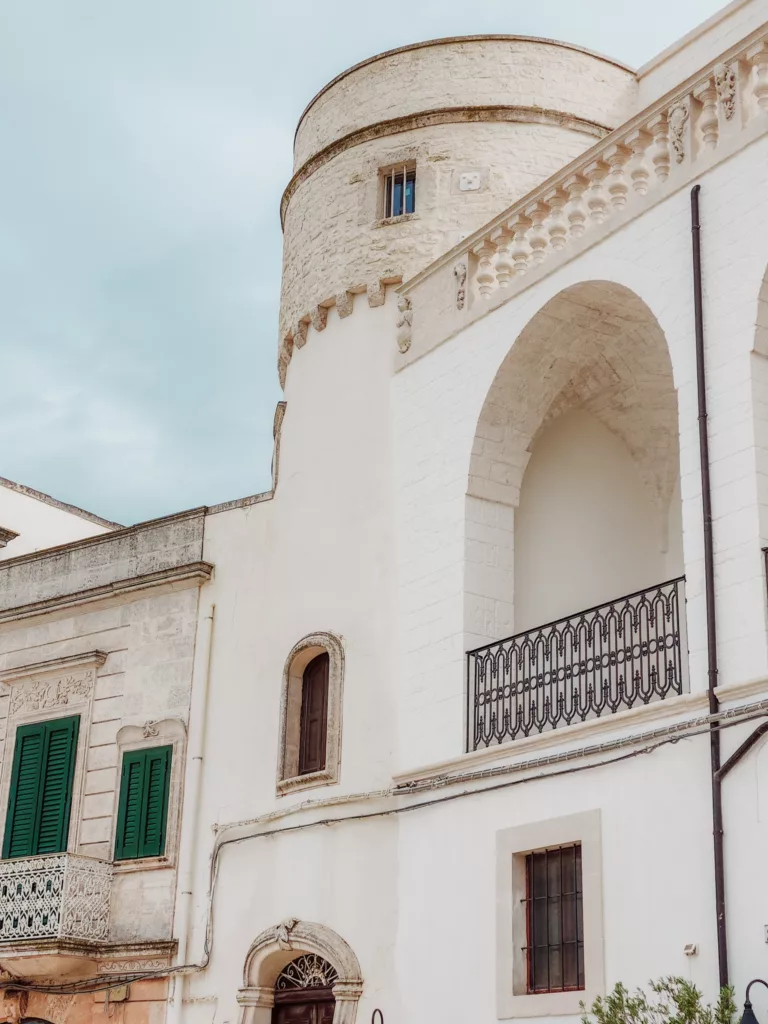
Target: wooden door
(304, 1013)
(314, 716)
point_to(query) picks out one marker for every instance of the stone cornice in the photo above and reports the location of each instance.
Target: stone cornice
(89, 659)
(6, 536)
(103, 538)
(495, 113)
(447, 41)
(178, 577)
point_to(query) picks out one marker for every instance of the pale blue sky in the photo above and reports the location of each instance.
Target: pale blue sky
(145, 149)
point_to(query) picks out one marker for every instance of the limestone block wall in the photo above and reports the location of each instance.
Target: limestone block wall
(509, 109)
(121, 658)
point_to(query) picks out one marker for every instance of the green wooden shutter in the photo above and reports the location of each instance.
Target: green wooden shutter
(41, 788)
(142, 811)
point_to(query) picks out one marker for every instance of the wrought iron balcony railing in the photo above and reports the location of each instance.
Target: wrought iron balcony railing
(61, 896)
(603, 660)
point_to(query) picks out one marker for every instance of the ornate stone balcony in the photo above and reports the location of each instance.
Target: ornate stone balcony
(652, 155)
(55, 906)
(58, 896)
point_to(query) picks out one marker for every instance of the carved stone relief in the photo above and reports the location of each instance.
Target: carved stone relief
(404, 323)
(460, 273)
(40, 695)
(678, 119)
(725, 86)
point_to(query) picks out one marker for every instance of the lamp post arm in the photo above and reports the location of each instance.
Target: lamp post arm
(755, 981)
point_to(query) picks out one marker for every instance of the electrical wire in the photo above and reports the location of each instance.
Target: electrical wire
(658, 738)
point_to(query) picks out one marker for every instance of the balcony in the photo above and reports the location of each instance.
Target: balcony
(53, 905)
(610, 658)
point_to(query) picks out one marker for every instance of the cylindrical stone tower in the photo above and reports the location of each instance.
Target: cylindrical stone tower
(471, 123)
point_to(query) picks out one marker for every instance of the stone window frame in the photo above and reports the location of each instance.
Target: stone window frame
(512, 846)
(40, 692)
(371, 173)
(309, 647)
(163, 733)
(385, 171)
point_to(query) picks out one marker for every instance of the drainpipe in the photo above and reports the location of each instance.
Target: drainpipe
(709, 593)
(198, 719)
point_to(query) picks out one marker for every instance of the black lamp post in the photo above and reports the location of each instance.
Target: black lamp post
(749, 1014)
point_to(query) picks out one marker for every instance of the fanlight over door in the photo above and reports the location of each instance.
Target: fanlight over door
(304, 992)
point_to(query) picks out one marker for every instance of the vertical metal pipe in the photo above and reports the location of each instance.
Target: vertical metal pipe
(709, 591)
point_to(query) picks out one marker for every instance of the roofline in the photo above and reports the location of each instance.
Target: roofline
(63, 505)
(457, 39)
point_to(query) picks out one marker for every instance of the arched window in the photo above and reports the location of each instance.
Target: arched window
(310, 714)
(304, 991)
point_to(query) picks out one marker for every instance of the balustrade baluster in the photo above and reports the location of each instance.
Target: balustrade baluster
(556, 225)
(757, 56)
(709, 124)
(660, 154)
(617, 158)
(639, 141)
(538, 237)
(486, 275)
(596, 173)
(505, 266)
(575, 187)
(520, 249)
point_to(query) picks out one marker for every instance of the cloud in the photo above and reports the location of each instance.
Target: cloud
(145, 149)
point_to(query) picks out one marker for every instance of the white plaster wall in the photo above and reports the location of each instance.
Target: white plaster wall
(437, 403)
(586, 529)
(39, 524)
(696, 49)
(318, 557)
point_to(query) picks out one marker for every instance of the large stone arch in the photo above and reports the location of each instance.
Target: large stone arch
(595, 346)
(276, 947)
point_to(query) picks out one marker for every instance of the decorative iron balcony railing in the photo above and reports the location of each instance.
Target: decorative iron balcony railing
(62, 896)
(603, 660)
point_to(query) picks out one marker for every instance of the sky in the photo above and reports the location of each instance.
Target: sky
(145, 147)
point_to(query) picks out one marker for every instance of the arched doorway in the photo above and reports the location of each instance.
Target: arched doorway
(304, 991)
(307, 960)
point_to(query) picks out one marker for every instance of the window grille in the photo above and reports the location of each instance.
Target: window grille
(399, 193)
(555, 920)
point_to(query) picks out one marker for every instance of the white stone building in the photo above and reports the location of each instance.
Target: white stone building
(337, 742)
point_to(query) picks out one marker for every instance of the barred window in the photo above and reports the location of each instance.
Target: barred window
(555, 920)
(399, 192)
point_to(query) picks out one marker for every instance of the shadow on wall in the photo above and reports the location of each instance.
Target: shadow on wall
(577, 449)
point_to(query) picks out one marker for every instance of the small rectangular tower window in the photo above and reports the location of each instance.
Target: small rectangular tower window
(399, 192)
(555, 920)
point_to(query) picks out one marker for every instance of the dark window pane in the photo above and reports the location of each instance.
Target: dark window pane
(555, 920)
(398, 195)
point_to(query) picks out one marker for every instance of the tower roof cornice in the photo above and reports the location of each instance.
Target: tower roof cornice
(448, 40)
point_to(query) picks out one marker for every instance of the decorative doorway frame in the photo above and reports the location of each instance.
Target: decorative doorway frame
(276, 947)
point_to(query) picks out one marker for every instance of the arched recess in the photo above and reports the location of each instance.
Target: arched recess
(573, 492)
(278, 946)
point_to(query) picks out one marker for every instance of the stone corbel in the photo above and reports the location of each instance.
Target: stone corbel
(345, 304)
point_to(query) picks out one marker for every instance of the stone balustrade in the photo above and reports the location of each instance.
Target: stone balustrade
(644, 159)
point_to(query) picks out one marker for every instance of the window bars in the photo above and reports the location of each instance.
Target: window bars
(399, 193)
(607, 659)
(554, 916)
